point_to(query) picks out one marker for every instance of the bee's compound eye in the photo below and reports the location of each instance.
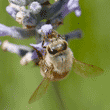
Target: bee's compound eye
(64, 46)
(52, 50)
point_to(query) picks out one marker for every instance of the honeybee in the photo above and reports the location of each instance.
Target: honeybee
(56, 64)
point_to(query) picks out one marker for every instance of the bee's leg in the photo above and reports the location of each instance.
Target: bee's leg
(43, 68)
(37, 59)
(44, 37)
(56, 34)
(60, 36)
(38, 53)
(43, 43)
(36, 62)
(50, 73)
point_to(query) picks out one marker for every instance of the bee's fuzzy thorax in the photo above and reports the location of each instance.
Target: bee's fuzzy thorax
(62, 62)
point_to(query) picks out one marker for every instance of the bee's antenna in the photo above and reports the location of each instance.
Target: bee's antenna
(57, 35)
(60, 36)
(54, 34)
(44, 37)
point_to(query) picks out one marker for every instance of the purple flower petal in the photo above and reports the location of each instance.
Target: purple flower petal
(39, 48)
(34, 55)
(5, 30)
(11, 11)
(78, 12)
(35, 7)
(47, 29)
(72, 5)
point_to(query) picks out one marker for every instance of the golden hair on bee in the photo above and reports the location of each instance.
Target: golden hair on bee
(58, 59)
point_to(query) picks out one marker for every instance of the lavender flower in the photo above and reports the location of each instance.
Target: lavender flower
(31, 20)
(21, 50)
(46, 29)
(73, 5)
(4, 30)
(38, 10)
(11, 11)
(35, 7)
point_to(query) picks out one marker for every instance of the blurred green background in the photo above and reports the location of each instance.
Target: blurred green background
(17, 83)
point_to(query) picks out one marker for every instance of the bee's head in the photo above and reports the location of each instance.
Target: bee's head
(56, 46)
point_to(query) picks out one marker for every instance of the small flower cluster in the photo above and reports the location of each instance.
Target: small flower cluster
(30, 14)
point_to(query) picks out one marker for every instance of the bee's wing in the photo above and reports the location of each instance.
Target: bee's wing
(86, 70)
(40, 91)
